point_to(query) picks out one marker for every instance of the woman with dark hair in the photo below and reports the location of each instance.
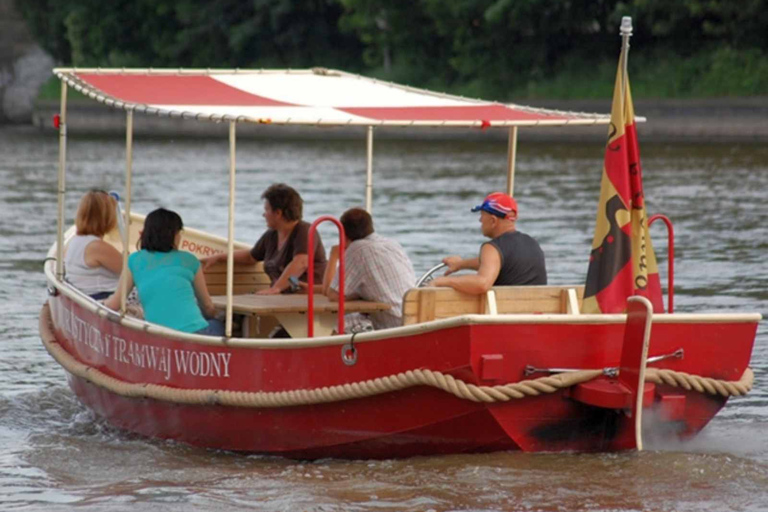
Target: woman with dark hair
(284, 246)
(170, 282)
(92, 265)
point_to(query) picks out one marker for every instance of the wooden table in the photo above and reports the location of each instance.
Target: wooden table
(290, 311)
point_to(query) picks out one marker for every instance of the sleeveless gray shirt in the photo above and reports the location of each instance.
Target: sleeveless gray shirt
(522, 260)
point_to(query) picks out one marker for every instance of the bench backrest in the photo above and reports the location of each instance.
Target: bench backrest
(246, 279)
(425, 304)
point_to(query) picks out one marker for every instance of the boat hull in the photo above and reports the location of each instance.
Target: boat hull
(415, 420)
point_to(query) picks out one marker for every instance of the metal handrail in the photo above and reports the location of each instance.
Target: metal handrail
(311, 275)
(670, 258)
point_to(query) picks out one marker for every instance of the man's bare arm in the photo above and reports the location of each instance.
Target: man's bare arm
(482, 281)
(456, 263)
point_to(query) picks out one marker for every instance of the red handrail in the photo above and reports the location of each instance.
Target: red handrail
(311, 275)
(670, 258)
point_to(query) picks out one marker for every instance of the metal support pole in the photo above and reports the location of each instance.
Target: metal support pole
(231, 229)
(127, 213)
(626, 33)
(311, 276)
(62, 182)
(511, 157)
(369, 171)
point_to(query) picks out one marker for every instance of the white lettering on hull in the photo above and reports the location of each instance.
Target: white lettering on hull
(166, 361)
(202, 364)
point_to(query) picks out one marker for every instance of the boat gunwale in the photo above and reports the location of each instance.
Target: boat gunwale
(135, 324)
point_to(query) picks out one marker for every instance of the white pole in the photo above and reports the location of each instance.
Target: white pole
(61, 189)
(626, 33)
(128, 176)
(231, 229)
(511, 157)
(369, 171)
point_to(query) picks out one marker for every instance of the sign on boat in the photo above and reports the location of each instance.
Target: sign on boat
(535, 368)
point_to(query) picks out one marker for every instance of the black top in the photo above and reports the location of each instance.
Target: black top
(522, 260)
(276, 259)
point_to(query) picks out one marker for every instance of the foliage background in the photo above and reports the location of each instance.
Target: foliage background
(501, 49)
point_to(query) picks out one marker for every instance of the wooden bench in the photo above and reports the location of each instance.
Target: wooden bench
(246, 279)
(426, 304)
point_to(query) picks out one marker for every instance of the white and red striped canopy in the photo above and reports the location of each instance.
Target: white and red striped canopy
(316, 96)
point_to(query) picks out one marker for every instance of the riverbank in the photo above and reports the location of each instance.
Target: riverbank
(720, 120)
(24, 66)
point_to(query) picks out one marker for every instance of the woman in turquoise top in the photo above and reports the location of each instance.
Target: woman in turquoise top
(170, 282)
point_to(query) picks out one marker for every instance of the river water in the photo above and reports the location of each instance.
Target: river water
(55, 455)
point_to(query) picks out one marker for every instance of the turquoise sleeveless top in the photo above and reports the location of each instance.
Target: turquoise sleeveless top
(165, 281)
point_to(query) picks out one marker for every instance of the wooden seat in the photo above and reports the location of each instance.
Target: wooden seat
(539, 299)
(246, 279)
(426, 304)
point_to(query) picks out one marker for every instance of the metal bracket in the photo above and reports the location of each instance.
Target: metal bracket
(530, 370)
(113, 317)
(677, 354)
(349, 352)
(610, 371)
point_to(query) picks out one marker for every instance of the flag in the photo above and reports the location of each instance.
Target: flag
(622, 262)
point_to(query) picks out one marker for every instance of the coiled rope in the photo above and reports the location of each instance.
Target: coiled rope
(458, 388)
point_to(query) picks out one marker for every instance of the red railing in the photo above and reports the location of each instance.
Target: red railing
(670, 259)
(311, 275)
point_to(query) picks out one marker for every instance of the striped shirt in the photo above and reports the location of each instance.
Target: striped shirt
(377, 269)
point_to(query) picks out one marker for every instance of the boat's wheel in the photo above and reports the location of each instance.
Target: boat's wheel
(429, 275)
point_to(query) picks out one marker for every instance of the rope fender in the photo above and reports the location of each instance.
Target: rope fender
(419, 377)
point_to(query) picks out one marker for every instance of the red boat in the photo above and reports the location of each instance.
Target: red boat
(520, 368)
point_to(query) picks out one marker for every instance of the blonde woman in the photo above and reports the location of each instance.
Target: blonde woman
(91, 264)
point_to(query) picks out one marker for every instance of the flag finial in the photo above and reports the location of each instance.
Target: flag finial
(626, 26)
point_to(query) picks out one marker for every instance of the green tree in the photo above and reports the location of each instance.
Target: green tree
(400, 38)
(189, 33)
(489, 48)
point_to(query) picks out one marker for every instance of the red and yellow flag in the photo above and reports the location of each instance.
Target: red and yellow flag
(622, 262)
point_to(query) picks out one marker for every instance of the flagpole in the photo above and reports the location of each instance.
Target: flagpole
(626, 33)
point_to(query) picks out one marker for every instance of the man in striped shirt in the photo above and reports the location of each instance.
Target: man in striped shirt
(376, 269)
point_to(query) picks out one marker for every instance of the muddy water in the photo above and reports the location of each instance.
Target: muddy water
(56, 455)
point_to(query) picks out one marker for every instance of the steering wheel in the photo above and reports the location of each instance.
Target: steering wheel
(429, 275)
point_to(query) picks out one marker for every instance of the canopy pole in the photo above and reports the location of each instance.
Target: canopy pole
(511, 157)
(626, 33)
(62, 182)
(369, 171)
(127, 213)
(231, 229)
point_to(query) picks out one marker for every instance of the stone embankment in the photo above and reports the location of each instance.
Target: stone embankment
(704, 120)
(24, 67)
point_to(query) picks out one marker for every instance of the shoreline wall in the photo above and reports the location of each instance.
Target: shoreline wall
(24, 67)
(722, 120)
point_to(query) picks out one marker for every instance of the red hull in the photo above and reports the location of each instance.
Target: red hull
(415, 421)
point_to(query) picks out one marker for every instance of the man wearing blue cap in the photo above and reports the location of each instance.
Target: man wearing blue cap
(510, 258)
